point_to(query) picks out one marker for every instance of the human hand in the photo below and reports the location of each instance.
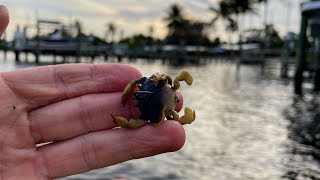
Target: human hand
(71, 106)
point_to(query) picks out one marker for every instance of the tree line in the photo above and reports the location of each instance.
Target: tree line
(182, 30)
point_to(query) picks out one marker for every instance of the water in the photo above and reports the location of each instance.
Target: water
(248, 126)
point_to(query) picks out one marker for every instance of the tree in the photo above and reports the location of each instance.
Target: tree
(176, 24)
(111, 31)
(137, 41)
(182, 31)
(195, 34)
(78, 26)
(151, 30)
(229, 10)
(267, 36)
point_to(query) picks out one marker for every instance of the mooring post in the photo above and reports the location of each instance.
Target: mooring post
(54, 58)
(25, 56)
(5, 54)
(285, 58)
(17, 55)
(301, 56)
(317, 67)
(37, 51)
(78, 49)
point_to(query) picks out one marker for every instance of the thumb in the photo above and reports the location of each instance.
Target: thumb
(4, 18)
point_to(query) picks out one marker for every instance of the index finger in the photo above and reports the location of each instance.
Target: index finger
(41, 86)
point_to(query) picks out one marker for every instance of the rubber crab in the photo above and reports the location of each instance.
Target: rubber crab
(157, 100)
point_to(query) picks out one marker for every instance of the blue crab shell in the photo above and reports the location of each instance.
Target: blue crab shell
(149, 97)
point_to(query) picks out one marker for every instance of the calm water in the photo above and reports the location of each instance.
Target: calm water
(248, 126)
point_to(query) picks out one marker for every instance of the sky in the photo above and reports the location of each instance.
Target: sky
(135, 16)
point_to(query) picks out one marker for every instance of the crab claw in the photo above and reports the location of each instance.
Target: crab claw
(188, 117)
(132, 123)
(183, 76)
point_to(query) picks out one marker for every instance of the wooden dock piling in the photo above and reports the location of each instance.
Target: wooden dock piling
(301, 56)
(310, 17)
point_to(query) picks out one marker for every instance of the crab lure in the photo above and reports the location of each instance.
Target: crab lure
(157, 100)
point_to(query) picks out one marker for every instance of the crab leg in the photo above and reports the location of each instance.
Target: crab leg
(130, 87)
(188, 117)
(183, 76)
(132, 123)
(162, 118)
(168, 78)
(155, 78)
(175, 115)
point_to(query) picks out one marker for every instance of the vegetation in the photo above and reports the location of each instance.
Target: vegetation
(229, 10)
(267, 36)
(176, 24)
(111, 31)
(182, 31)
(78, 26)
(1, 44)
(139, 40)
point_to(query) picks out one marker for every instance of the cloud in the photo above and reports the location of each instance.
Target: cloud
(92, 8)
(133, 16)
(138, 16)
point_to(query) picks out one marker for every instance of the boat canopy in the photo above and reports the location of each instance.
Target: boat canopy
(311, 9)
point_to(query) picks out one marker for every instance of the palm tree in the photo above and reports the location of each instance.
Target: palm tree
(229, 11)
(267, 35)
(121, 35)
(176, 22)
(151, 30)
(78, 26)
(225, 13)
(111, 30)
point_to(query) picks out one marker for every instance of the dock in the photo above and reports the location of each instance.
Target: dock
(63, 40)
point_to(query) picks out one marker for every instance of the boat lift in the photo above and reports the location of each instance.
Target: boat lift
(50, 39)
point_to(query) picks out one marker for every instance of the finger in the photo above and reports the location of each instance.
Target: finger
(41, 86)
(180, 103)
(104, 148)
(73, 117)
(4, 19)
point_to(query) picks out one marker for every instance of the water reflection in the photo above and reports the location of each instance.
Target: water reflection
(247, 127)
(304, 128)
(240, 132)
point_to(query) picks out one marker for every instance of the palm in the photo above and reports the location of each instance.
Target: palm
(34, 101)
(112, 30)
(176, 22)
(70, 106)
(228, 10)
(30, 97)
(18, 150)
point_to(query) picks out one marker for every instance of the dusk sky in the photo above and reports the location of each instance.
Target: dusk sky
(135, 16)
